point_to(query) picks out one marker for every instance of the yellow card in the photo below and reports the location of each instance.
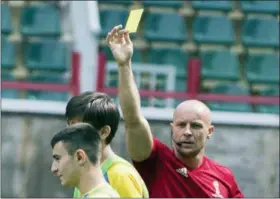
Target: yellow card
(133, 20)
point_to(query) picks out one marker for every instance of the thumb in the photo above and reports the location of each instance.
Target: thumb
(127, 37)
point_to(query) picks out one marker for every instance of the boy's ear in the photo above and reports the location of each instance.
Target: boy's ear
(105, 132)
(80, 156)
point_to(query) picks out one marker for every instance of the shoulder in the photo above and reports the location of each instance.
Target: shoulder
(159, 144)
(121, 170)
(220, 169)
(226, 174)
(160, 152)
(160, 148)
(126, 180)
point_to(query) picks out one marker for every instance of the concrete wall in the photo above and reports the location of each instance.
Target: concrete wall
(252, 153)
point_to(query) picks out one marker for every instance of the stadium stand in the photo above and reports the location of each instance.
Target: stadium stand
(207, 29)
(9, 93)
(40, 20)
(38, 51)
(112, 2)
(264, 108)
(214, 61)
(173, 4)
(212, 5)
(8, 60)
(177, 57)
(110, 17)
(259, 7)
(45, 55)
(263, 68)
(200, 23)
(156, 28)
(6, 25)
(45, 95)
(258, 32)
(6, 75)
(227, 106)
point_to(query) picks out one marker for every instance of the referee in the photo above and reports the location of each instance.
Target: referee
(185, 171)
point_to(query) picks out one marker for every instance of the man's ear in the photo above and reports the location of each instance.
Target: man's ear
(210, 131)
(105, 132)
(80, 156)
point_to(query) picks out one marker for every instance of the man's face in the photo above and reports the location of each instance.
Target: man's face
(64, 166)
(189, 131)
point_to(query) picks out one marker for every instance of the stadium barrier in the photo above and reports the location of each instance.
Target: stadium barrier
(150, 113)
(72, 87)
(193, 92)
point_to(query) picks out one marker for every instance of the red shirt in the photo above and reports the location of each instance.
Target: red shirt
(167, 177)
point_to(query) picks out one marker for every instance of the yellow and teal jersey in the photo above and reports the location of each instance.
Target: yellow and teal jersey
(123, 177)
(103, 190)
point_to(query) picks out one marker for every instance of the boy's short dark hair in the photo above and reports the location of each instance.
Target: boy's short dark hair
(95, 108)
(80, 136)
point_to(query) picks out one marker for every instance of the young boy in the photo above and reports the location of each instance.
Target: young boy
(76, 161)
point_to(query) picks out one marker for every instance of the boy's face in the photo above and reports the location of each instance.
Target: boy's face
(64, 166)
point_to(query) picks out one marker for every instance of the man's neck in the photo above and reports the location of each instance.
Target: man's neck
(90, 179)
(191, 162)
(107, 152)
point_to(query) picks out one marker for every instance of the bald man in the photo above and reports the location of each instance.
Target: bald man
(183, 172)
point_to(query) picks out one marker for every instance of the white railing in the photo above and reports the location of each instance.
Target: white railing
(159, 114)
(153, 70)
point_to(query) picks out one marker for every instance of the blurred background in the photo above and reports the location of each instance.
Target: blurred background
(225, 53)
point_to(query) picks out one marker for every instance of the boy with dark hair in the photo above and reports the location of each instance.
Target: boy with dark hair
(99, 110)
(76, 161)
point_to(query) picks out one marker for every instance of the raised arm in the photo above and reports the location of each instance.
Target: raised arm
(138, 133)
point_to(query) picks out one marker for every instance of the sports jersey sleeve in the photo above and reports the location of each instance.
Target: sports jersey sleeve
(125, 183)
(157, 146)
(235, 191)
(147, 168)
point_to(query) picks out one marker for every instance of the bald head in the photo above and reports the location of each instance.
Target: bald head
(191, 123)
(195, 109)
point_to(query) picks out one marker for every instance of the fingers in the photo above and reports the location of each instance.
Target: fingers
(108, 38)
(113, 34)
(116, 34)
(125, 34)
(115, 30)
(127, 37)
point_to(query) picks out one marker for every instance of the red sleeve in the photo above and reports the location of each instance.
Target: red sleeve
(235, 190)
(157, 145)
(147, 168)
(228, 176)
